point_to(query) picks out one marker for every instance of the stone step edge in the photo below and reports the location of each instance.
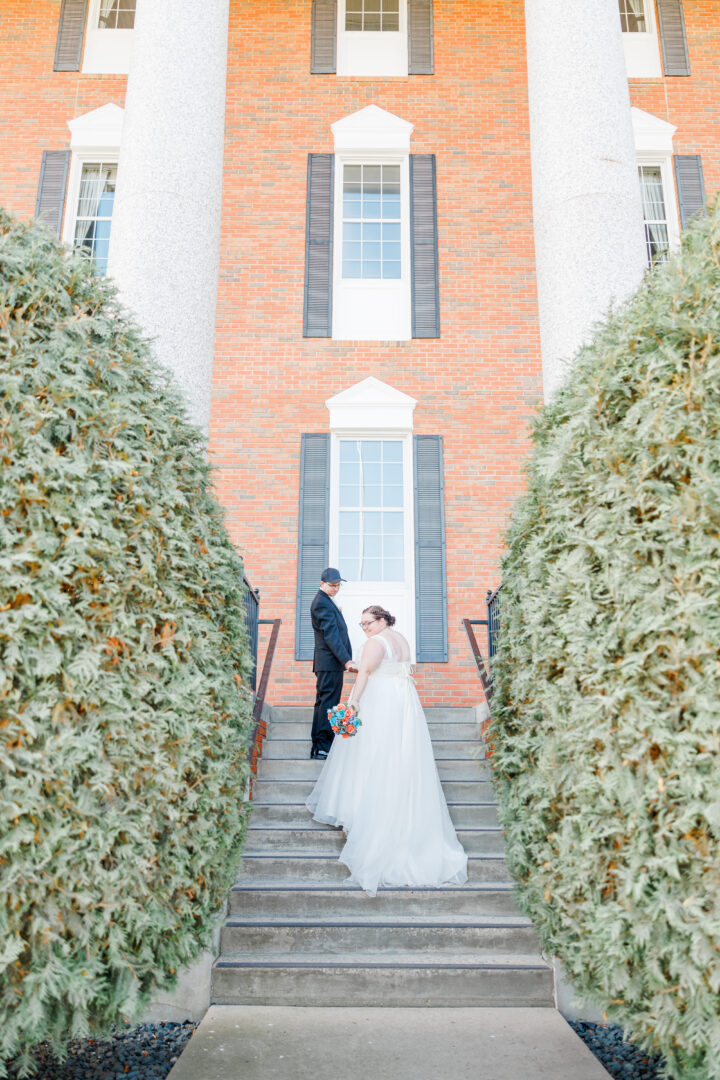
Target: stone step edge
(279, 853)
(402, 922)
(532, 963)
(335, 828)
(302, 806)
(334, 887)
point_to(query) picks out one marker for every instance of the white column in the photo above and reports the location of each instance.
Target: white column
(165, 240)
(589, 237)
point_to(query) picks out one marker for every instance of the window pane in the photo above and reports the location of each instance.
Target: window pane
(393, 570)
(352, 232)
(391, 252)
(371, 232)
(371, 570)
(393, 547)
(392, 270)
(349, 547)
(372, 5)
(349, 523)
(393, 523)
(372, 472)
(94, 210)
(350, 568)
(373, 522)
(349, 450)
(349, 472)
(353, 20)
(372, 547)
(371, 213)
(352, 269)
(632, 16)
(392, 451)
(352, 252)
(349, 495)
(392, 496)
(371, 495)
(371, 450)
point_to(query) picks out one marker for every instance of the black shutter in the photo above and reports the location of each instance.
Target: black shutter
(676, 60)
(313, 535)
(424, 247)
(51, 188)
(690, 186)
(317, 315)
(420, 37)
(430, 585)
(324, 37)
(71, 30)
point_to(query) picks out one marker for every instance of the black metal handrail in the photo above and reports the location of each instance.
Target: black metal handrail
(492, 622)
(252, 613)
(253, 751)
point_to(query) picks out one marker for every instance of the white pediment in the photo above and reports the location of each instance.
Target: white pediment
(372, 128)
(652, 135)
(97, 130)
(371, 405)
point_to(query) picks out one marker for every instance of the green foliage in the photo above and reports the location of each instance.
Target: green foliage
(123, 714)
(607, 717)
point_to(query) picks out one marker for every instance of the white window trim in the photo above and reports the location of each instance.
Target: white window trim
(372, 53)
(642, 50)
(95, 136)
(106, 51)
(372, 136)
(654, 146)
(373, 410)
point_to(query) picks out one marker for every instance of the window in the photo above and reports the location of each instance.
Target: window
(116, 15)
(371, 242)
(632, 16)
(372, 15)
(108, 40)
(94, 210)
(640, 38)
(371, 521)
(654, 213)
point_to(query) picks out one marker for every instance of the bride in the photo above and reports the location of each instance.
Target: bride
(382, 785)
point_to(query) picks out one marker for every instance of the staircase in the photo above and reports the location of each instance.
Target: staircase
(296, 935)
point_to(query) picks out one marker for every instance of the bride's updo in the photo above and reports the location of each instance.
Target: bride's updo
(378, 612)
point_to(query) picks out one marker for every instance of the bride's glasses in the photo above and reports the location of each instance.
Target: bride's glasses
(364, 625)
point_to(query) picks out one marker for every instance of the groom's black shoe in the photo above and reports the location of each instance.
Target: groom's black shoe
(314, 752)
(322, 754)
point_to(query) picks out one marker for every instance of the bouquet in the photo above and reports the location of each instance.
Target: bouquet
(344, 720)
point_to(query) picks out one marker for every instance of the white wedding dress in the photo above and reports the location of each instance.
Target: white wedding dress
(382, 787)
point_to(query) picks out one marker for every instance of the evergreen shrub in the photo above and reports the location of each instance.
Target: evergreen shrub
(607, 712)
(124, 716)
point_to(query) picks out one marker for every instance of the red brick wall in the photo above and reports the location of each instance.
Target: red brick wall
(37, 102)
(477, 384)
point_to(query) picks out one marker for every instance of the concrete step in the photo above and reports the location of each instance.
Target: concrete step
(279, 792)
(461, 936)
(299, 749)
(284, 868)
(274, 1043)
(297, 816)
(329, 841)
(326, 901)
(435, 714)
(308, 769)
(292, 729)
(355, 980)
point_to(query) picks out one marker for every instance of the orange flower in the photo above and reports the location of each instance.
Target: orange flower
(335, 727)
(351, 729)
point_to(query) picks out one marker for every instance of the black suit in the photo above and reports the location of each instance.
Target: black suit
(332, 652)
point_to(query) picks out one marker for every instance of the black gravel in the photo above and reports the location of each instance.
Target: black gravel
(146, 1052)
(622, 1059)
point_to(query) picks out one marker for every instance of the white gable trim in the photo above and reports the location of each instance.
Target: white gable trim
(372, 130)
(371, 405)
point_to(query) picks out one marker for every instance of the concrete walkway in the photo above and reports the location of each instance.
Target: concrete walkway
(240, 1042)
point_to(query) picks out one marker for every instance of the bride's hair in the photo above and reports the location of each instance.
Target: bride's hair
(378, 612)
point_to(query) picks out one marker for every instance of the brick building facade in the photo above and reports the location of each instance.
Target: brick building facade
(460, 391)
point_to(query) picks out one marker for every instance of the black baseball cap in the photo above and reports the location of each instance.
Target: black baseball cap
(331, 576)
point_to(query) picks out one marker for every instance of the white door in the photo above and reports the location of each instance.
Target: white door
(371, 530)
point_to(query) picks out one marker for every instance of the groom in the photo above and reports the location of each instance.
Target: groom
(333, 656)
